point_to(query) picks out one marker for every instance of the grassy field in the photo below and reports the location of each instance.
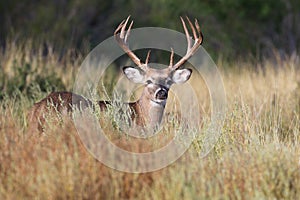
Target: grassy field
(257, 156)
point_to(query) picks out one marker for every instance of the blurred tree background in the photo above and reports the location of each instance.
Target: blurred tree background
(232, 28)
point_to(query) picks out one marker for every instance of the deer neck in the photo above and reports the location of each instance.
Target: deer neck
(150, 111)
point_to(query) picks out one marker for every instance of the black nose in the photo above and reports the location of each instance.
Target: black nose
(161, 94)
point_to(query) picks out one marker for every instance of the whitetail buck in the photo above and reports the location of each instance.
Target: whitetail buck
(149, 108)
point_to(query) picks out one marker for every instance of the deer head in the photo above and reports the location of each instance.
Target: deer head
(158, 81)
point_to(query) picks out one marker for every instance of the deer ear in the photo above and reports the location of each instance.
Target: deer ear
(181, 75)
(134, 74)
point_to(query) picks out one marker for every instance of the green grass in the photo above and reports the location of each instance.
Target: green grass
(257, 156)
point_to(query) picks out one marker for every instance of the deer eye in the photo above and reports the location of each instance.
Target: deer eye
(148, 81)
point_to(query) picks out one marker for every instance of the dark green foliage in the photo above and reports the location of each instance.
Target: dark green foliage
(25, 79)
(231, 27)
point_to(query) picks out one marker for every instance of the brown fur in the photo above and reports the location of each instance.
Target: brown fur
(57, 102)
(67, 101)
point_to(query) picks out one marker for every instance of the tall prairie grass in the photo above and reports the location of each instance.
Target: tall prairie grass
(256, 157)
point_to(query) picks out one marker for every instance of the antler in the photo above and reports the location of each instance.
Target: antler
(191, 49)
(122, 41)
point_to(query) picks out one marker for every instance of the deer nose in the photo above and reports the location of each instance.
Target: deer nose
(161, 94)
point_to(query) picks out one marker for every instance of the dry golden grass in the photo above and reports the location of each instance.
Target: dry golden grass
(257, 156)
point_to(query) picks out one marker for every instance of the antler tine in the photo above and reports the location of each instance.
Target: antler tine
(186, 34)
(199, 31)
(191, 49)
(119, 27)
(128, 31)
(192, 27)
(122, 34)
(122, 37)
(148, 57)
(171, 57)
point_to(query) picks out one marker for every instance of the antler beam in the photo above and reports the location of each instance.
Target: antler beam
(191, 48)
(122, 37)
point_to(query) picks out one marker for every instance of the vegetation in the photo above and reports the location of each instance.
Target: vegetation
(257, 156)
(255, 45)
